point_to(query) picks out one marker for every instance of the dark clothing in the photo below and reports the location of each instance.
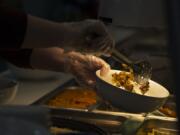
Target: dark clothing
(18, 57)
(13, 26)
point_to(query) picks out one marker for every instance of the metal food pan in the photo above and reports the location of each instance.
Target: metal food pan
(70, 126)
(100, 105)
(72, 84)
(111, 122)
(118, 122)
(159, 125)
(168, 109)
(43, 100)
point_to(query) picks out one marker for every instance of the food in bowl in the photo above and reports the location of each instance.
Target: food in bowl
(126, 81)
(153, 99)
(123, 79)
(80, 98)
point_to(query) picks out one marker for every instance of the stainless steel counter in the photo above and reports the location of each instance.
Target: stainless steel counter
(31, 90)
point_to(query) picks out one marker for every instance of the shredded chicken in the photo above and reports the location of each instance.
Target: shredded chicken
(125, 79)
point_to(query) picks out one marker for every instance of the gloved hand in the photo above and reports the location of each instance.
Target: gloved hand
(90, 36)
(83, 67)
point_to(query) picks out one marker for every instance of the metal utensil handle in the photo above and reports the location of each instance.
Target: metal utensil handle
(120, 57)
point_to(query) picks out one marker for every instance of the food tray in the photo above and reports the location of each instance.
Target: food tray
(118, 122)
(65, 89)
(168, 109)
(53, 93)
(159, 126)
(66, 126)
(100, 104)
(112, 122)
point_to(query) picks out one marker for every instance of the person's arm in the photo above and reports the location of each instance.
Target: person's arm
(42, 33)
(20, 30)
(82, 67)
(89, 36)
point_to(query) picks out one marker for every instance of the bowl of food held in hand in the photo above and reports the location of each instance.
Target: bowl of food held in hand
(121, 90)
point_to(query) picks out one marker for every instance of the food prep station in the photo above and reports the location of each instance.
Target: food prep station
(102, 117)
(109, 119)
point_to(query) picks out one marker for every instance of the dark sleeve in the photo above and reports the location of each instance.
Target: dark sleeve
(12, 28)
(18, 57)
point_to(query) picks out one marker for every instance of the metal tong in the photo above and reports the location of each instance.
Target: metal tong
(142, 69)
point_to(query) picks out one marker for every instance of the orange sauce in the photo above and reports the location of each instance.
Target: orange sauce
(74, 98)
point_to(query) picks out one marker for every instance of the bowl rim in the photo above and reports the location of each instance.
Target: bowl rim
(10, 83)
(127, 92)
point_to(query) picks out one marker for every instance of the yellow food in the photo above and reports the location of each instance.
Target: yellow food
(74, 98)
(123, 79)
(126, 80)
(157, 131)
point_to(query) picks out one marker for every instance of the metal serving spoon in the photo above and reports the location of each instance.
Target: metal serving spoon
(142, 69)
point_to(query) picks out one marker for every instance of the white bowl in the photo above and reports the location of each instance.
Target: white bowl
(8, 90)
(128, 101)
